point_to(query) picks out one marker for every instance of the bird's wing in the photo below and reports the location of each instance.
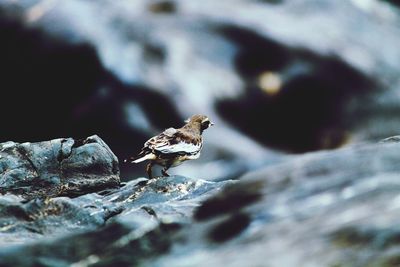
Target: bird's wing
(161, 139)
(180, 147)
(171, 141)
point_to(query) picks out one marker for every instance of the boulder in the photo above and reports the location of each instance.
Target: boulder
(57, 167)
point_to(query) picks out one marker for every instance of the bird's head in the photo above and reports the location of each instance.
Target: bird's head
(201, 121)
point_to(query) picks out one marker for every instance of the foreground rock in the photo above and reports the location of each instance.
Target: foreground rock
(329, 208)
(57, 167)
(47, 195)
(123, 226)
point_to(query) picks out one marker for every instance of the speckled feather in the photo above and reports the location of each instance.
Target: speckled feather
(174, 146)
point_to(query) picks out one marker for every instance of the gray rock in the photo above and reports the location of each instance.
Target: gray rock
(336, 64)
(122, 226)
(392, 139)
(56, 200)
(327, 208)
(57, 167)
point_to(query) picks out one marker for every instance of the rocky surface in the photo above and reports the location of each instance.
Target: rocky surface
(58, 167)
(114, 220)
(280, 79)
(328, 208)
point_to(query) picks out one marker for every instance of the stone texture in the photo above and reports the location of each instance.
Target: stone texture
(279, 78)
(57, 167)
(128, 225)
(328, 208)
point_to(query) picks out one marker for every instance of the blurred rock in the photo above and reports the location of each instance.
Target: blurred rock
(311, 99)
(336, 208)
(57, 167)
(392, 139)
(329, 78)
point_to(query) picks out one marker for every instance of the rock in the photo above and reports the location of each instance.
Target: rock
(113, 245)
(327, 208)
(308, 101)
(126, 225)
(58, 167)
(47, 194)
(277, 77)
(394, 139)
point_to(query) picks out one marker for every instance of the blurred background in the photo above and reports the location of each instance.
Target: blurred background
(278, 77)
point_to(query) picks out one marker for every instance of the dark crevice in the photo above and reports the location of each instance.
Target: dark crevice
(149, 210)
(112, 213)
(61, 155)
(256, 53)
(87, 186)
(16, 211)
(154, 243)
(393, 2)
(231, 198)
(230, 228)
(22, 151)
(82, 142)
(115, 168)
(154, 53)
(163, 7)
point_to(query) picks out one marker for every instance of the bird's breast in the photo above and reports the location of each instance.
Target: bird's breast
(180, 159)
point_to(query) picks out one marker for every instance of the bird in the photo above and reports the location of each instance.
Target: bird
(174, 146)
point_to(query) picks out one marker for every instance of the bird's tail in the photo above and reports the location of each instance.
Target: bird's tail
(144, 155)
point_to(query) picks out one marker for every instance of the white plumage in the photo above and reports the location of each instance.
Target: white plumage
(179, 147)
(148, 156)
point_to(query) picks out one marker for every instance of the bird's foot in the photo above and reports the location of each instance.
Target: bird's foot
(164, 172)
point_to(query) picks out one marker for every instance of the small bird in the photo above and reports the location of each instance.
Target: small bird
(174, 146)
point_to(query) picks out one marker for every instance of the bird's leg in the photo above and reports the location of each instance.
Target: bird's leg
(148, 170)
(164, 170)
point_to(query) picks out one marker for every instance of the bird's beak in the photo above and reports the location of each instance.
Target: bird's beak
(211, 123)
